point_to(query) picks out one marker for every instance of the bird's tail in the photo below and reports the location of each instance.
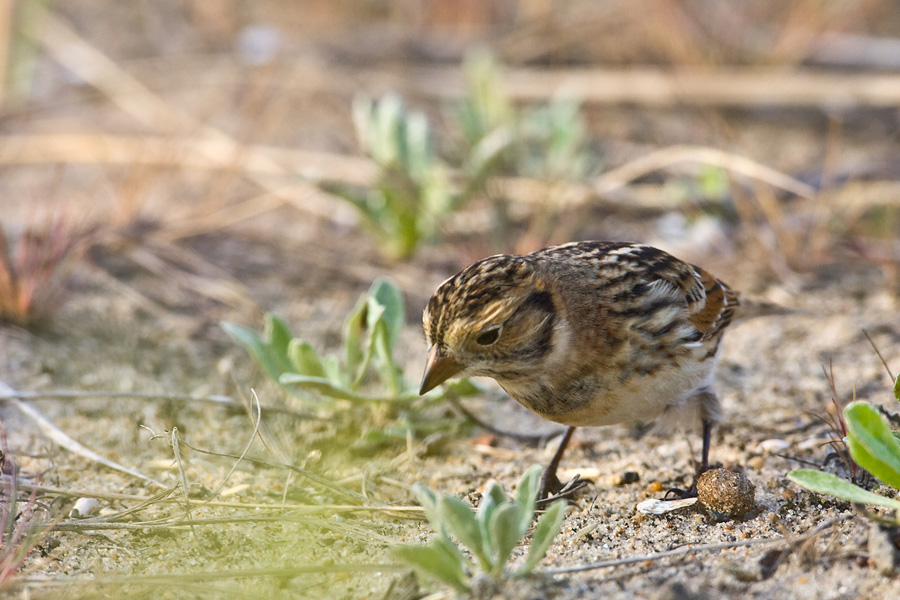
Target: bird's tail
(750, 308)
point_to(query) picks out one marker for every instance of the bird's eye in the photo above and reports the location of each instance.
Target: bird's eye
(488, 337)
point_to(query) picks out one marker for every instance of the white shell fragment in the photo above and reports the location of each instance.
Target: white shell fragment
(661, 507)
(84, 508)
(772, 446)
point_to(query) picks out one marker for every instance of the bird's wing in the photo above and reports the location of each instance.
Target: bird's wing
(646, 278)
(714, 310)
(710, 302)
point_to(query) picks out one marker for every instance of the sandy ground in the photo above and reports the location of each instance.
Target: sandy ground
(143, 318)
(770, 379)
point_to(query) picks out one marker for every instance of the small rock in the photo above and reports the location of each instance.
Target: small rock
(630, 477)
(727, 494)
(84, 508)
(620, 479)
(771, 446)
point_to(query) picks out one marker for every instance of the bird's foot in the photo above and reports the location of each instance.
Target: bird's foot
(691, 492)
(680, 494)
(552, 489)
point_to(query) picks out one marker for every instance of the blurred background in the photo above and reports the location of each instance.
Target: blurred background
(446, 130)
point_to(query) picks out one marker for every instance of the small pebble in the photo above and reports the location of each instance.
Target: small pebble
(620, 479)
(84, 508)
(772, 446)
(727, 494)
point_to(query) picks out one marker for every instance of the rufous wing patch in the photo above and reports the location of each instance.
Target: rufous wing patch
(716, 309)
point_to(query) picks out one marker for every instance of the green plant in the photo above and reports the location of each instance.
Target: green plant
(547, 143)
(412, 193)
(486, 120)
(491, 533)
(873, 445)
(554, 142)
(369, 338)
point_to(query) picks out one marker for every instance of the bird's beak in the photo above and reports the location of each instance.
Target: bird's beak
(438, 369)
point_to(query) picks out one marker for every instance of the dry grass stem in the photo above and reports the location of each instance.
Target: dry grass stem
(658, 88)
(180, 152)
(162, 498)
(667, 157)
(62, 439)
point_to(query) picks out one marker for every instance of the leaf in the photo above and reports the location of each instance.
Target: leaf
(826, 483)
(387, 139)
(544, 534)
(489, 502)
(354, 330)
(504, 528)
(497, 493)
(459, 519)
(435, 560)
(429, 503)
(388, 371)
(335, 373)
(274, 363)
(868, 432)
(384, 320)
(418, 157)
(321, 385)
(374, 313)
(357, 343)
(277, 333)
(389, 296)
(304, 359)
(328, 388)
(526, 496)
(897, 388)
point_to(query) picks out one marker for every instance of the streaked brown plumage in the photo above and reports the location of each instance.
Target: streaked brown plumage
(585, 334)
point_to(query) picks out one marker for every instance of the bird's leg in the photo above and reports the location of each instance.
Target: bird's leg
(550, 483)
(704, 455)
(699, 467)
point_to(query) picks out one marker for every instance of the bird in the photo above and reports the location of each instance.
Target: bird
(585, 334)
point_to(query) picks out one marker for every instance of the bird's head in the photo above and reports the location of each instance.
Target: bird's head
(495, 318)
